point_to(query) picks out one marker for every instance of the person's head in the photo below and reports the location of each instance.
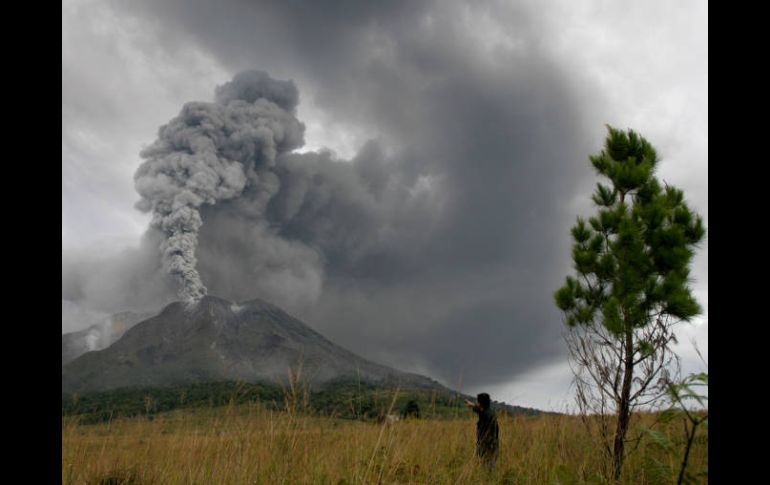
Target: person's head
(483, 400)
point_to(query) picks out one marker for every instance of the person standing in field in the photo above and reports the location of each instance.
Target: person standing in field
(487, 430)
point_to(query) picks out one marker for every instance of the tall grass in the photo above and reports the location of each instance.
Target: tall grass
(251, 443)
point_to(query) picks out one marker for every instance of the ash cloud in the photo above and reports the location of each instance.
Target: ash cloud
(210, 153)
(436, 248)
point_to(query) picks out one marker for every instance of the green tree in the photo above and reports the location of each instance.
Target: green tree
(632, 262)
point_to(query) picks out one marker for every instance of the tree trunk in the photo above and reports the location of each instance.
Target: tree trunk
(624, 408)
(690, 439)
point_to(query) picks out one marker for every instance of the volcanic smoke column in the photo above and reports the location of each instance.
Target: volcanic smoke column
(212, 152)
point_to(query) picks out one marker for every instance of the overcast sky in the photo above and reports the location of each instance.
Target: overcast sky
(445, 158)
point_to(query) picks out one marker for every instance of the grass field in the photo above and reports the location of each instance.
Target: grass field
(249, 443)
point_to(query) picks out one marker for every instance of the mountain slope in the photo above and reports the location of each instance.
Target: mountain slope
(217, 340)
(99, 335)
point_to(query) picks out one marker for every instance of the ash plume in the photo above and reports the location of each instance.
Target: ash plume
(435, 244)
(210, 153)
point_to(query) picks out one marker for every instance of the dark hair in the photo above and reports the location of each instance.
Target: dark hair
(483, 399)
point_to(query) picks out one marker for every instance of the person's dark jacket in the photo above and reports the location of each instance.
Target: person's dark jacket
(487, 433)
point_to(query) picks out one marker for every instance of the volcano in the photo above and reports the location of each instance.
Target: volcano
(218, 340)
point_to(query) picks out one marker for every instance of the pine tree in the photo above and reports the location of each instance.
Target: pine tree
(632, 262)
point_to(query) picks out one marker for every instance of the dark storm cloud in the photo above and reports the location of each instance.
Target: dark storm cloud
(438, 246)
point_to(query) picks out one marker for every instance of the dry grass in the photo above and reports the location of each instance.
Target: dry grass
(250, 444)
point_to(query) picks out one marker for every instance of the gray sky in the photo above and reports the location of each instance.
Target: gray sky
(434, 233)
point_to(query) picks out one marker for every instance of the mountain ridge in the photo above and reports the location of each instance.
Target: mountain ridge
(218, 340)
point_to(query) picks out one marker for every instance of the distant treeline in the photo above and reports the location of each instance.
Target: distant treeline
(342, 399)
